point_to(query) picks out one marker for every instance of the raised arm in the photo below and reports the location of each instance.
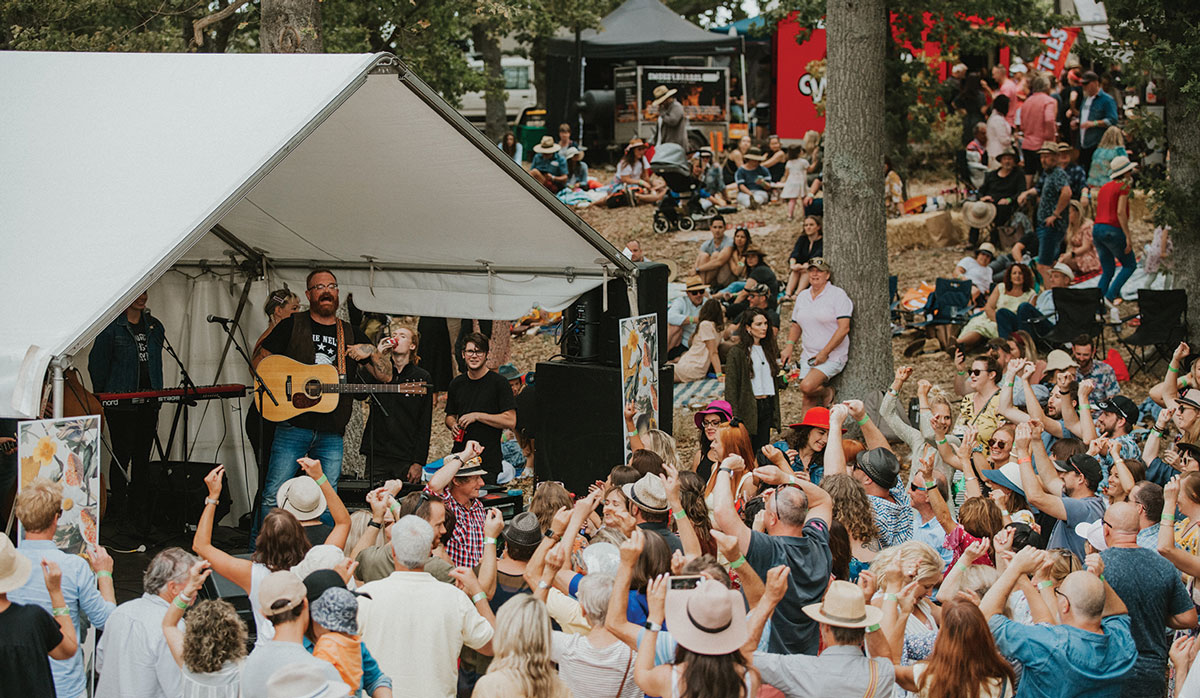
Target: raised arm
(635, 439)
(929, 482)
(1035, 492)
(450, 466)
(1154, 442)
(687, 531)
(378, 499)
(762, 609)
(655, 681)
(234, 569)
(1024, 562)
(170, 623)
(961, 387)
(1087, 429)
(835, 455)
(341, 517)
(493, 526)
(617, 618)
(1183, 560)
(67, 647)
(1006, 407)
(872, 436)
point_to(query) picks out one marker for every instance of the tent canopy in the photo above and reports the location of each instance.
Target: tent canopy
(122, 165)
(644, 29)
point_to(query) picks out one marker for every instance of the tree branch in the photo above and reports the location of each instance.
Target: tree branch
(203, 23)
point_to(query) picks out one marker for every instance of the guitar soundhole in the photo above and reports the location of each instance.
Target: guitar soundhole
(313, 389)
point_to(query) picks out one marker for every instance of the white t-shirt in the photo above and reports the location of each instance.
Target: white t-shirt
(594, 671)
(818, 320)
(761, 380)
(637, 169)
(264, 629)
(978, 274)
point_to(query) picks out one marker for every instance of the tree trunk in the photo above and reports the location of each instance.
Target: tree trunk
(1183, 115)
(290, 26)
(493, 74)
(854, 210)
(537, 54)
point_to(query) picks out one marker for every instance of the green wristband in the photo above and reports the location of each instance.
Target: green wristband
(1168, 518)
(64, 611)
(866, 418)
(479, 596)
(872, 628)
(488, 540)
(680, 515)
(322, 480)
(738, 562)
(890, 597)
(180, 603)
(1045, 584)
(104, 573)
(1172, 369)
(939, 443)
(633, 433)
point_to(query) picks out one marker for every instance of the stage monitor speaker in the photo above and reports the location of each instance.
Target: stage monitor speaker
(591, 334)
(183, 484)
(580, 426)
(219, 587)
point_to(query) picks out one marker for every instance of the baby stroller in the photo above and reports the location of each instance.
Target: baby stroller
(681, 206)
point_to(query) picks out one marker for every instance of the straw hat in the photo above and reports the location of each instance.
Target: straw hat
(1058, 359)
(842, 607)
(709, 619)
(694, 283)
(1049, 147)
(648, 493)
(14, 567)
(635, 142)
(301, 497)
(979, 214)
(1120, 165)
(547, 146)
(1190, 398)
(661, 93)
(755, 153)
(1010, 151)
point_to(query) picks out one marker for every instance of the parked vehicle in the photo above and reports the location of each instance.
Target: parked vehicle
(518, 84)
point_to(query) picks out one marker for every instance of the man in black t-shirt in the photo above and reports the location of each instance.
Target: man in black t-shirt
(127, 357)
(312, 338)
(480, 405)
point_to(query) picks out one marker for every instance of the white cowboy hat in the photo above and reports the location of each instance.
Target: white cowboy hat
(661, 93)
(979, 214)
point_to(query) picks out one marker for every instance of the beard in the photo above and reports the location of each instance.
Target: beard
(319, 306)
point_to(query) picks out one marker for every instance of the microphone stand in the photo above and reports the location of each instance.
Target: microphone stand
(184, 402)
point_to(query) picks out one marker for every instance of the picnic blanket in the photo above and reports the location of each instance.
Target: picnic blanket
(702, 391)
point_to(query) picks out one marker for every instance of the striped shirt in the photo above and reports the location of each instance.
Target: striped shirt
(466, 546)
(591, 670)
(894, 519)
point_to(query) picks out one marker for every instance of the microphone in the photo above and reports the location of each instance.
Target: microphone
(218, 319)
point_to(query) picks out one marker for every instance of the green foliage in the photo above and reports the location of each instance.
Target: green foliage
(96, 25)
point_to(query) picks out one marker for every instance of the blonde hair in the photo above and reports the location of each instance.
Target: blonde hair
(522, 645)
(662, 444)
(358, 526)
(928, 563)
(397, 324)
(1113, 138)
(1065, 563)
(938, 396)
(37, 505)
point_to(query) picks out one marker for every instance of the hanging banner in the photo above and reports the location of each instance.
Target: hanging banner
(639, 372)
(66, 451)
(1057, 45)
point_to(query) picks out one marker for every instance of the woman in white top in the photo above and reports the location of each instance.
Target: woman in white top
(999, 132)
(599, 663)
(751, 365)
(906, 574)
(964, 662)
(211, 649)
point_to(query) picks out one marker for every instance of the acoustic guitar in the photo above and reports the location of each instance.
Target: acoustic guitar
(301, 388)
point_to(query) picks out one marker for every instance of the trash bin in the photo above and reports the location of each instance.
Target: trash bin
(529, 136)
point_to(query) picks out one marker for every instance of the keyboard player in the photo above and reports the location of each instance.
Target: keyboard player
(127, 356)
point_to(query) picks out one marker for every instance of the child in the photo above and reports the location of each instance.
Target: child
(795, 180)
(335, 625)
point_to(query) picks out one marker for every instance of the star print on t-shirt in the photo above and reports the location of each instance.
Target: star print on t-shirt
(325, 346)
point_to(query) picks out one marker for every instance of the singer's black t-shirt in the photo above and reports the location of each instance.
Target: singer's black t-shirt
(324, 339)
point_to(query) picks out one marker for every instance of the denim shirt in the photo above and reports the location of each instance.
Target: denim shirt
(113, 362)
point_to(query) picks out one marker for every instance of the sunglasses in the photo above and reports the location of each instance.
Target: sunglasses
(997, 443)
(975, 371)
(548, 482)
(696, 293)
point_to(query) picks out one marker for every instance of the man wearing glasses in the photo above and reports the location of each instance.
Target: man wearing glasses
(316, 337)
(480, 406)
(682, 316)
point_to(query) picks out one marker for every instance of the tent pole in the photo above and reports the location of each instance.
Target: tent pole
(579, 68)
(745, 87)
(57, 364)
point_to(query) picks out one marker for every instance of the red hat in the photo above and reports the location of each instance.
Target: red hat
(814, 417)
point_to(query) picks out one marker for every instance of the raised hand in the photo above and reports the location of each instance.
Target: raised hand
(100, 560)
(465, 579)
(907, 598)
(213, 481)
(868, 584)
(1094, 563)
(727, 545)
(976, 550)
(1027, 560)
(52, 575)
(630, 411)
(345, 569)
(656, 596)
(1028, 370)
(837, 415)
(960, 359)
(493, 523)
(734, 462)
(471, 449)
(1181, 352)
(378, 500)
(777, 583)
(770, 474)
(670, 482)
(561, 518)
(902, 374)
(556, 557)
(311, 467)
(1171, 492)
(196, 576)
(631, 549)
(1085, 389)
(857, 409)
(1021, 438)
(923, 387)
(774, 455)
(1004, 539)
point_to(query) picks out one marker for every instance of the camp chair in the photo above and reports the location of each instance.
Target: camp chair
(1162, 325)
(949, 304)
(1078, 313)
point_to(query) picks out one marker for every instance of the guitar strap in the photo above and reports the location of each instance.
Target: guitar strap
(341, 352)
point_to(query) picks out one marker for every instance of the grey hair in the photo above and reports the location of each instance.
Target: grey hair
(170, 565)
(412, 539)
(791, 505)
(594, 590)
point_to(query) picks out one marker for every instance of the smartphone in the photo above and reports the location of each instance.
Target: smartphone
(684, 582)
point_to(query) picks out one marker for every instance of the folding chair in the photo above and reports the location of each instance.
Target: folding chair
(1078, 313)
(1163, 325)
(949, 304)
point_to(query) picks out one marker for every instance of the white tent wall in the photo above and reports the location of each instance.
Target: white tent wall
(216, 428)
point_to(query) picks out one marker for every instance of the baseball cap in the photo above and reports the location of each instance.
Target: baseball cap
(1063, 269)
(1083, 464)
(819, 263)
(1120, 406)
(1093, 532)
(280, 592)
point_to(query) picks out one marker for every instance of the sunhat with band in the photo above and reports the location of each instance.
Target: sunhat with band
(987, 247)
(14, 567)
(1058, 359)
(708, 620)
(842, 607)
(694, 283)
(547, 146)
(978, 214)
(301, 497)
(720, 408)
(648, 493)
(1007, 475)
(661, 93)
(1119, 166)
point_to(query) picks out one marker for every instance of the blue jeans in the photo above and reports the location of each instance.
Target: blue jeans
(1110, 247)
(1027, 318)
(290, 444)
(1050, 240)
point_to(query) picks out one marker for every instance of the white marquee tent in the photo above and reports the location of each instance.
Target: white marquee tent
(190, 174)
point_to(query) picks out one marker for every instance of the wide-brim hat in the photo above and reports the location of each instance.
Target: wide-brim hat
(508, 372)
(717, 407)
(648, 493)
(14, 567)
(979, 214)
(1063, 269)
(1058, 359)
(524, 530)
(815, 417)
(547, 146)
(1049, 147)
(755, 153)
(1119, 166)
(881, 465)
(755, 251)
(635, 142)
(301, 497)
(843, 606)
(694, 283)
(661, 93)
(471, 468)
(1190, 397)
(572, 151)
(708, 620)
(1192, 446)
(1008, 151)
(1093, 532)
(1007, 475)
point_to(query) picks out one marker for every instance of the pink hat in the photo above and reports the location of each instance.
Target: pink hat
(718, 407)
(709, 619)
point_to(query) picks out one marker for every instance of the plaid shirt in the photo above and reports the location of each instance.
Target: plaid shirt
(466, 546)
(894, 519)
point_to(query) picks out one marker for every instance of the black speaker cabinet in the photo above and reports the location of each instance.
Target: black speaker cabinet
(591, 334)
(183, 482)
(580, 423)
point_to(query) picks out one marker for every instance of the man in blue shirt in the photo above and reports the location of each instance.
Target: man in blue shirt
(1089, 654)
(38, 508)
(1096, 114)
(1068, 492)
(549, 167)
(682, 315)
(1051, 220)
(925, 525)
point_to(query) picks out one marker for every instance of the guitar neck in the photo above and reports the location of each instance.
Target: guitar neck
(354, 388)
